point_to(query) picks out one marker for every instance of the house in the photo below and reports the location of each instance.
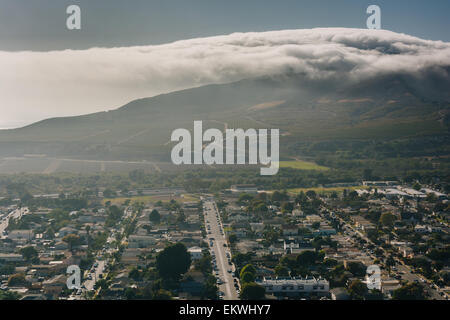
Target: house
(290, 230)
(363, 224)
(141, 241)
(35, 296)
(54, 286)
(66, 230)
(389, 286)
(339, 294)
(238, 218)
(61, 246)
(10, 257)
(439, 195)
(420, 229)
(324, 231)
(131, 257)
(257, 227)
(407, 252)
(17, 235)
(92, 218)
(313, 218)
(297, 213)
(196, 253)
(290, 244)
(412, 192)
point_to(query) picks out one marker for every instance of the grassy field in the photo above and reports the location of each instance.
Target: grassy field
(147, 199)
(302, 165)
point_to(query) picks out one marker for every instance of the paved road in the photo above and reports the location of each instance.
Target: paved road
(89, 284)
(12, 215)
(211, 219)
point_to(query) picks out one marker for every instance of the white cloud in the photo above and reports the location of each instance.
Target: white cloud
(36, 85)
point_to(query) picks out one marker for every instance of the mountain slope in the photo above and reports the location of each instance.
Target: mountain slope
(383, 108)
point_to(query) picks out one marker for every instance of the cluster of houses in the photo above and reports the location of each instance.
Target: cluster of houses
(44, 274)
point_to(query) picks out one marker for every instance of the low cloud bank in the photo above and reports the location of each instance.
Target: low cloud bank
(37, 85)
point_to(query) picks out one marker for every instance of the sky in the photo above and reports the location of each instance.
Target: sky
(49, 80)
(40, 24)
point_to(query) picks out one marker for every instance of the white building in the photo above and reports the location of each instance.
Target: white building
(21, 235)
(196, 253)
(420, 229)
(10, 257)
(295, 286)
(412, 192)
(437, 194)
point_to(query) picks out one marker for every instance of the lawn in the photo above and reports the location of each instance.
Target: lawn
(155, 198)
(302, 165)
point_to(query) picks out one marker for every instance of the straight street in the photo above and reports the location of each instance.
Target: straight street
(18, 213)
(219, 251)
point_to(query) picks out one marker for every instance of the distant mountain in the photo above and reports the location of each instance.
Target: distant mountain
(385, 107)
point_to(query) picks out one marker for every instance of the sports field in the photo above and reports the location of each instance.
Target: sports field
(302, 165)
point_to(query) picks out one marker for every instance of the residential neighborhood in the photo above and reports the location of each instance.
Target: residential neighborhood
(240, 243)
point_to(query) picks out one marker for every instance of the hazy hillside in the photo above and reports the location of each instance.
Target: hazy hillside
(385, 108)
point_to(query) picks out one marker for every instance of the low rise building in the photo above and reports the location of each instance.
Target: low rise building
(291, 287)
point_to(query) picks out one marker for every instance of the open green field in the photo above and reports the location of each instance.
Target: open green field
(302, 165)
(155, 198)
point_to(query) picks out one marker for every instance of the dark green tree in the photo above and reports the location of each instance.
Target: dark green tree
(173, 261)
(154, 216)
(252, 291)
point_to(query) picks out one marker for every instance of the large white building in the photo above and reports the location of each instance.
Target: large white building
(196, 253)
(295, 286)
